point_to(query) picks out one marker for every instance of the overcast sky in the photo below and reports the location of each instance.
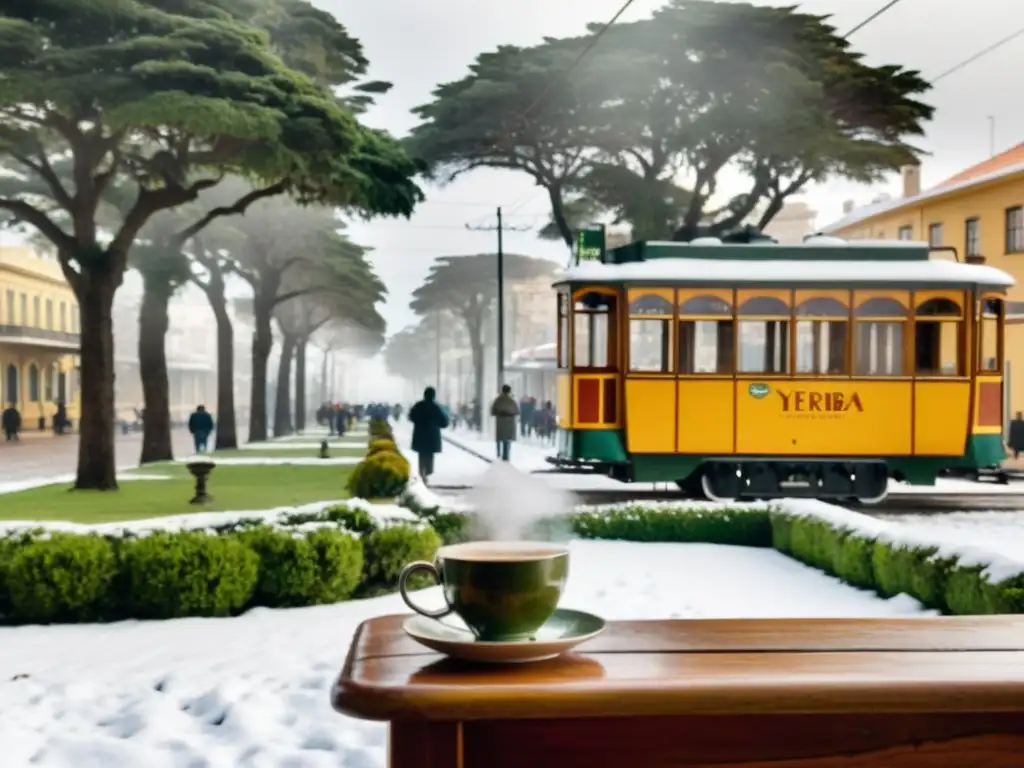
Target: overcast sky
(418, 44)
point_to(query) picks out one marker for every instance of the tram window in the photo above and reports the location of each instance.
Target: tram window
(764, 346)
(937, 348)
(878, 349)
(705, 346)
(592, 332)
(582, 340)
(649, 350)
(563, 331)
(821, 346)
(988, 331)
(938, 339)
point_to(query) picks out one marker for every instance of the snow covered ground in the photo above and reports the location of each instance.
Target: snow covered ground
(253, 691)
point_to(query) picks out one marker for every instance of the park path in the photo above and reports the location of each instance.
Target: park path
(38, 455)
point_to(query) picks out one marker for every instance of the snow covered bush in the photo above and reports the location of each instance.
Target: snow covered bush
(389, 550)
(381, 476)
(187, 573)
(301, 559)
(871, 554)
(324, 567)
(746, 526)
(63, 578)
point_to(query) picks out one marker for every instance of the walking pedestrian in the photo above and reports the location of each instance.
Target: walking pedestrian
(200, 424)
(504, 410)
(428, 419)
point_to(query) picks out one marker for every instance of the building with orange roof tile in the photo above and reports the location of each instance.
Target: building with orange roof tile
(979, 212)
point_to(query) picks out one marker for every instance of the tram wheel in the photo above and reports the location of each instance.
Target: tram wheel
(709, 493)
(871, 501)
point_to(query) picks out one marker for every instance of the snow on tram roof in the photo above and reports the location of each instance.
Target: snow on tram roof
(788, 271)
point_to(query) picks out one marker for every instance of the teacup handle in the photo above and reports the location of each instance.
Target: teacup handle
(403, 588)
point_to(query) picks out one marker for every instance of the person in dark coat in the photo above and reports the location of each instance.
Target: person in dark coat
(504, 410)
(428, 419)
(60, 418)
(200, 424)
(1016, 440)
(11, 422)
(340, 421)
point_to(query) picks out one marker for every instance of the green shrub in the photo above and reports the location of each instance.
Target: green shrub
(383, 445)
(384, 475)
(170, 575)
(744, 527)
(389, 550)
(64, 578)
(892, 568)
(380, 429)
(324, 566)
(354, 519)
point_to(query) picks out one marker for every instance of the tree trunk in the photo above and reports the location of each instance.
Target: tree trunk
(262, 341)
(300, 384)
(97, 465)
(153, 322)
(283, 395)
(324, 373)
(227, 429)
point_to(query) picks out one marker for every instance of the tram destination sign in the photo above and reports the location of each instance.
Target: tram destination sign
(590, 244)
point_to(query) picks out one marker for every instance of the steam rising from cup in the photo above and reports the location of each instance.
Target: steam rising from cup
(508, 505)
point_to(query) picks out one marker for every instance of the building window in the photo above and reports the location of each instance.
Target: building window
(49, 314)
(24, 309)
(935, 235)
(74, 318)
(63, 316)
(37, 317)
(10, 307)
(972, 237)
(33, 383)
(1015, 230)
(906, 233)
(12, 385)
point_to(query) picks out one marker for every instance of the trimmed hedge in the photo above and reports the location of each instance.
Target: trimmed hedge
(302, 559)
(939, 581)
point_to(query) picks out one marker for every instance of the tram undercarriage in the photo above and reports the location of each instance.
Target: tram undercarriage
(752, 479)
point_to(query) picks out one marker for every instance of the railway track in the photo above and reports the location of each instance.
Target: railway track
(895, 504)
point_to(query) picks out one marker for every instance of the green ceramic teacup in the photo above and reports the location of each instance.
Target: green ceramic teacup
(503, 591)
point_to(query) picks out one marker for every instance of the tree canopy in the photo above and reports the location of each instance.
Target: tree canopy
(645, 128)
(171, 96)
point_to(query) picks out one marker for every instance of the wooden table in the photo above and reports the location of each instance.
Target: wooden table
(928, 693)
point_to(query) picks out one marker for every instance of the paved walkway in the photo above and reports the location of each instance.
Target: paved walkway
(42, 454)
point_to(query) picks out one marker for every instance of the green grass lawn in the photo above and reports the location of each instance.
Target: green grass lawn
(336, 451)
(232, 487)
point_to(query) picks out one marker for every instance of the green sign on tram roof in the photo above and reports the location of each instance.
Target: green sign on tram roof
(590, 244)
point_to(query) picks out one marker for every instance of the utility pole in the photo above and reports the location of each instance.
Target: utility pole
(437, 351)
(500, 229)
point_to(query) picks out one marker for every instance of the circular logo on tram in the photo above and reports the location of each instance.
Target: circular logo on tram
(757, 391)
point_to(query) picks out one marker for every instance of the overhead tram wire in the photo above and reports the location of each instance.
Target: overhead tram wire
(980, 54)
(872, 17)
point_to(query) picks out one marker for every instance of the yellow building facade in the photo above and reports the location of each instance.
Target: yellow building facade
(39, 338)
(980, 213)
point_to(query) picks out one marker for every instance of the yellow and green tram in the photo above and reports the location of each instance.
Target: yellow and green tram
(743, 371)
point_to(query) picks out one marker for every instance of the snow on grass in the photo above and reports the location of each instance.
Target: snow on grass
(1000, 563)
(383, 513)
(254, 690)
